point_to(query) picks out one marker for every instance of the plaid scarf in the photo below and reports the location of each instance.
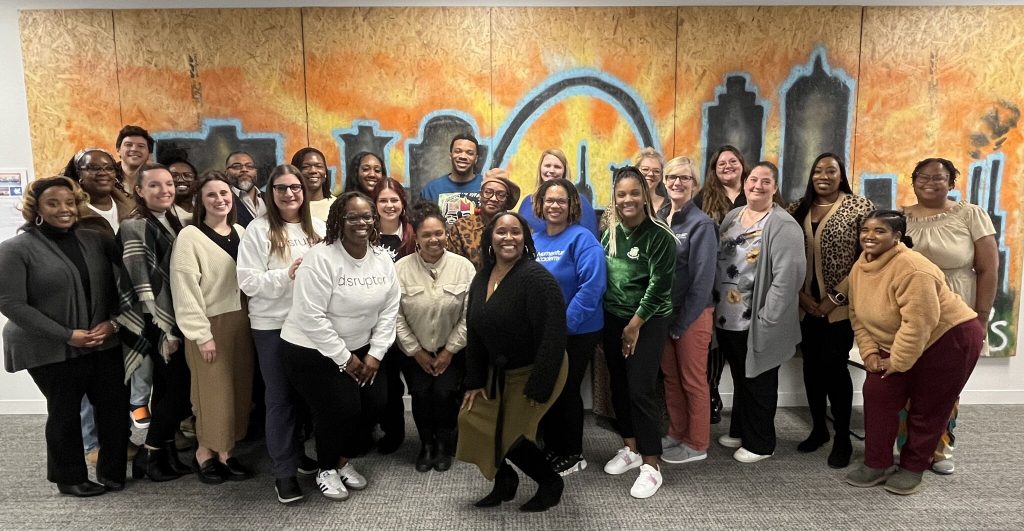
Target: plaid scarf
(144, 286)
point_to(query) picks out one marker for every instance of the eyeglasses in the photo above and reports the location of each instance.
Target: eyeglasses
(937, 178)
(681, 177)
(355, 218)
(239, 167)
(556, 201)
(188, 176)
(282, 188)
(650, 171)
(488, 194)
(109, 168)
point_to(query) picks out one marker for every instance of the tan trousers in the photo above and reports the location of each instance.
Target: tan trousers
(222, 390)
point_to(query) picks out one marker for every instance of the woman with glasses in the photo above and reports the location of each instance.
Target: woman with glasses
(651, 163)
(685, 354)
(341, 323)
(497, 194)
(722, 192)
(554, 165)
(575, 258)
(830, 215)
(760, 270)
(212, 314)
(271, 251)
(640, 254)
(95, 170)
(317, 179)
(958, 237)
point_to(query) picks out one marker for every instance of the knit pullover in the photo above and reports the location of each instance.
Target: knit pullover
(905, 306)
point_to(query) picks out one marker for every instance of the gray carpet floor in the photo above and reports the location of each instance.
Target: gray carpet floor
(788, 491)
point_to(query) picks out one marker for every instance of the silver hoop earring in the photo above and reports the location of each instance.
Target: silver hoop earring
(39, 220)
(490, 251)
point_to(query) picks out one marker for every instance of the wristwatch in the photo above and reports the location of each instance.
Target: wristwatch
(838, 298)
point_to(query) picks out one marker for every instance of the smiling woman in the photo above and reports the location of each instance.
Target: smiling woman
(94, 169)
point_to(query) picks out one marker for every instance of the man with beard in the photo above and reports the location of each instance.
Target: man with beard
(134, 145)
(458, 193)
(241, 170)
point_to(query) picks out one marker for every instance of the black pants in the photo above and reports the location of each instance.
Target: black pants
(435, 399)
(716, 365)
(634, 381)
(826, 349)
(336, 401)
(754, 399)
(172, 383)
(392, 415)
(562, 425)
(100, 376)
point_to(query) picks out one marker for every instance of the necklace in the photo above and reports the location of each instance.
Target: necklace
(824, 204)
(748, 210)
(499, 279)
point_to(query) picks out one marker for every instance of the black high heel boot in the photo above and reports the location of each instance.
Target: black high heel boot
(506, 482)
(153, 463)
(175, 464)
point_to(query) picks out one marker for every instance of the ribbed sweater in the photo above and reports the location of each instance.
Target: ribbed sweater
(203, 282)
(905, 306)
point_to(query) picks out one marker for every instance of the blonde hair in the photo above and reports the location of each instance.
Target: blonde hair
(30, 202)
(558, 154)
(680, 163)
(648, 153)
(612, 214)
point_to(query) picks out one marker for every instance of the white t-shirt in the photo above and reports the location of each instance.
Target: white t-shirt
(263, 275)
(109, 215)
(341, 303)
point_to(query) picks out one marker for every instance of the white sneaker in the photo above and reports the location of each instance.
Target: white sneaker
(668, 441)
(647, 484)
(730, 442)
(746, 456)
(330, 484)
(625, 459)
(944, 467)
(351, 477)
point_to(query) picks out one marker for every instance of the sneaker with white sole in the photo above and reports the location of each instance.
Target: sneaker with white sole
(351, 477)
(682, 453)
(944, 467)
(746, 456)
(568, 465)
(669, 441)
(624, 460)
(730, 442)
(331, 485)
(647, 484)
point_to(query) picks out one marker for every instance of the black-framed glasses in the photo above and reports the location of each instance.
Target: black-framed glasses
(238, 166)
(936, 178)
(488, 194)
(357, 218)
(186, 175)
(282, 188)
(92, 168)
(655, 172)
(672, 177)
(560, 201)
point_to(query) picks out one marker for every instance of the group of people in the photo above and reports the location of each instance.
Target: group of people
(146, 287)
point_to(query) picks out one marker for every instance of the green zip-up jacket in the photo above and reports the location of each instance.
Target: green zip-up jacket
(640, 274)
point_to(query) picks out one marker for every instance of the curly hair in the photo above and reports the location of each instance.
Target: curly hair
(575, 210)
(30, 201)
(336, 218)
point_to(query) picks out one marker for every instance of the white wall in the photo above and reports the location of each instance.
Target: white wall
(995, 381)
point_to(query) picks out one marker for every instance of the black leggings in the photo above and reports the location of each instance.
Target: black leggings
(172, 383)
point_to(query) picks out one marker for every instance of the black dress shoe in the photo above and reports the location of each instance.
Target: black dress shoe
(84, 489)
(288, 490)
(110, 485)
(236, 471)
(815, 440)
(211, 471)
(428, 455)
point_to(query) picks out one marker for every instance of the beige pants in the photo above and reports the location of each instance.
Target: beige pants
(222, 390)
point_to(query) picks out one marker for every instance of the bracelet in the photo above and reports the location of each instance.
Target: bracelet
(115, 325)
(341, 368)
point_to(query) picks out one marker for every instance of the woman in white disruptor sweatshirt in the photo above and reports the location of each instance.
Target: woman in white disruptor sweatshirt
(271, 251)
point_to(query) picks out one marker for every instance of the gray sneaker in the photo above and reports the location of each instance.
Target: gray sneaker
(668, 441)
(682, 453)
(864, 476)
(903, 482)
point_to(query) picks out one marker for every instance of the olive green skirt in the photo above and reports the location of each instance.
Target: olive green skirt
(479, 429)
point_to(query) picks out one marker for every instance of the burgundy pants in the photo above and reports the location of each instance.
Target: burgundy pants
(932, 385)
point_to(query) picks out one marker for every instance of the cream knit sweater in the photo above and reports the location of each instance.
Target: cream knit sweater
(900, 303)
(203, 282)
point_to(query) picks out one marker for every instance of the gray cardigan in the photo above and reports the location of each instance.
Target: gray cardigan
(44, 301)
(775, 319)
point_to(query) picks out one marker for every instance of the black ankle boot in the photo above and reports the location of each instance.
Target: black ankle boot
(506, 482)
(841, 452)
(175, 464)
(444, 454)
(153, 463)
(428, 455)
(716, 406)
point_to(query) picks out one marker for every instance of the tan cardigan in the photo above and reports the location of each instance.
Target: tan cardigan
(203, 282)
(904, 306)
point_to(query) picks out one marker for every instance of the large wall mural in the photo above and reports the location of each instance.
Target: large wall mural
(780, 83)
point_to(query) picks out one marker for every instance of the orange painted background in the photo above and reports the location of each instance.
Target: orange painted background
(924, 81)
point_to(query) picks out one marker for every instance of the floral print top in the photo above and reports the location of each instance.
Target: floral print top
(738, 251)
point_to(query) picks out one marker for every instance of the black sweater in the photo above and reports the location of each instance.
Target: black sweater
(523, 323)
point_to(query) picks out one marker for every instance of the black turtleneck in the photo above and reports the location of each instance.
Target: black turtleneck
(67, 242)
